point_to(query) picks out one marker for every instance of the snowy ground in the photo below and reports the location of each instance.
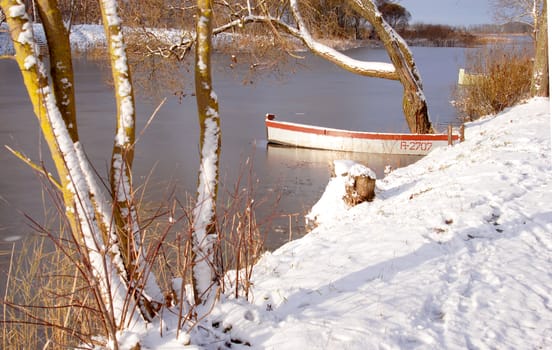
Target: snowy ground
(454, 253)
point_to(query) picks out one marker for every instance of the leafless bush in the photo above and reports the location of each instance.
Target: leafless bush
(80, 12)
(242, 240)
(330, 19)
(502, 78)
(157, 13)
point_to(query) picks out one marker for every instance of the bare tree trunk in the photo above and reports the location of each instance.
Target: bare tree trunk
(540, 80)
(414, 102)
(36, 83)
(61, 67)
(104, 276)
(403, 67)
(128, 236)
(88, 211)
(123, 148)
(206, 269)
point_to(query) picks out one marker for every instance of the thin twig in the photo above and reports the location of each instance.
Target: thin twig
(34, 166)
(150, 120)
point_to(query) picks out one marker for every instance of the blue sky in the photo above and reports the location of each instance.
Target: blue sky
(452, 12)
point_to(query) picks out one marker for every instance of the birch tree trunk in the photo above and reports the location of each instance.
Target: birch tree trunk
(206, 269)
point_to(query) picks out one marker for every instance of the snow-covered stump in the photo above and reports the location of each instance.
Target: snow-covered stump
(360, 181)
(359, 189)
(350, 184)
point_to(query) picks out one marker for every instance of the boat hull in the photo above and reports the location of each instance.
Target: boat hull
(307, 136)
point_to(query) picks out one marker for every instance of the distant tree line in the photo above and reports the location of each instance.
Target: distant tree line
(327, 18)
(438, 35)
(506, 28)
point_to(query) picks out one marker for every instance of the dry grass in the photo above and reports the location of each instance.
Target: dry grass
(242, 240)
(51, 301)
(503, 79)
(47, 302)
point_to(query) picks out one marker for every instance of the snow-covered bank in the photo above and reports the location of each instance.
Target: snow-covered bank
(82, 37)
(454, 253)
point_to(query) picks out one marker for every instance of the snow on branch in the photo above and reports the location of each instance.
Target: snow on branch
(375, 69)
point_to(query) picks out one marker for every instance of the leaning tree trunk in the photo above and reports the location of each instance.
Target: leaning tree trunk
(540, 80)
(402, 68)
(414, 102)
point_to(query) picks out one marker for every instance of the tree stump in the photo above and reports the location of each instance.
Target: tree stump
(359, 188)
(360, 182)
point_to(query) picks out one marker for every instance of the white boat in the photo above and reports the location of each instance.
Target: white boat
(308, 136)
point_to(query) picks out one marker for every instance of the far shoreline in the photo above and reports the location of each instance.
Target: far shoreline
(86, 38)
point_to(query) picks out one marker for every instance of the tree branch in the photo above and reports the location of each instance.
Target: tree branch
(35, 166)
(371, 69)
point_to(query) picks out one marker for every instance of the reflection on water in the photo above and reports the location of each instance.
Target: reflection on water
(304, 174)
(303, 157)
